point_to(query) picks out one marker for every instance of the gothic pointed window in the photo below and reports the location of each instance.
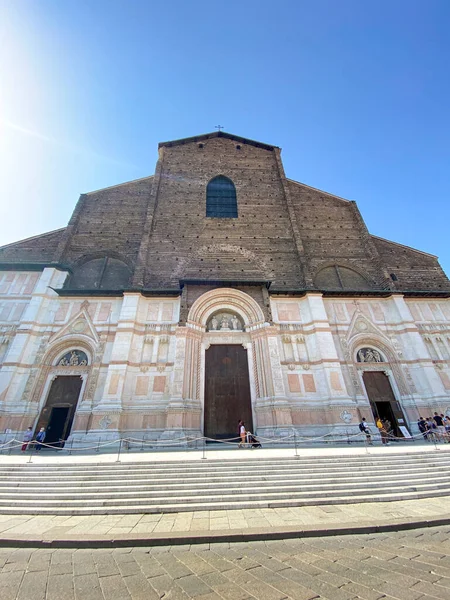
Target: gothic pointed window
(221, 199)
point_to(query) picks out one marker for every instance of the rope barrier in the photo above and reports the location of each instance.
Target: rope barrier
(431, 436)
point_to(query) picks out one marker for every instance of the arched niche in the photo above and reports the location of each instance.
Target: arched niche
(73, 358)
(339, 277)
(104, 273)
(224, 320)
(226, 300)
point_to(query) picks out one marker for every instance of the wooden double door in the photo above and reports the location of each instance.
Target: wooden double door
(382, 400)
(59, 410)
(227, 391)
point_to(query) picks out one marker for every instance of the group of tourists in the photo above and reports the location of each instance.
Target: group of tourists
(384, 427)
(247, 437)
(28, 438)
(435, 428)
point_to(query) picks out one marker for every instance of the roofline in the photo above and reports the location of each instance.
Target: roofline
(404, 246)
(310, 187)
(364, 293)
(33, 266)
(164, 293)
(118, 185)
(215, 134)
(33, 237)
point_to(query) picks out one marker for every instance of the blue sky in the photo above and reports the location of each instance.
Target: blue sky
(355, 92)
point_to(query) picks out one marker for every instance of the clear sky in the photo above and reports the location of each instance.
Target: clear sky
(356, 92)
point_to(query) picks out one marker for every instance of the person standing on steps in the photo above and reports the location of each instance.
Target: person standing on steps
(383, 432)
(242, 434)
(27, 437)
(40, 439)
(439, 425)
(364, 428)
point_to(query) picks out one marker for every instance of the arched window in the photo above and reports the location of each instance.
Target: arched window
(100, 273)
(221, 198)
(336, 277)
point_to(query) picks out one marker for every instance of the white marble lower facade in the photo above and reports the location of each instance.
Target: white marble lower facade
(145, 374)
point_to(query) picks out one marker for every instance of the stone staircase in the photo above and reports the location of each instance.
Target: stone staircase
(256, 482)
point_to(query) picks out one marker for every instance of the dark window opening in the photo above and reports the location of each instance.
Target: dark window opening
(221, 201)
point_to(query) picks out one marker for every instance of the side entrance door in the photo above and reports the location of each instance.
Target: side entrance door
(382, 399)
(59, 410)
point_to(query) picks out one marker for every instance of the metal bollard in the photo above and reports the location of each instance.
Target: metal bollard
(295, 443)
(98, 445)
(120, 449)
(31, 452)
(71, 446)
(204, 449)
(142, 445)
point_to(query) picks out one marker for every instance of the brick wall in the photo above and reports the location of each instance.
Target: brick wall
(184, 243)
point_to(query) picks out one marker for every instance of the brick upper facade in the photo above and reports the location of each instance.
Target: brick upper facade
(286, 233)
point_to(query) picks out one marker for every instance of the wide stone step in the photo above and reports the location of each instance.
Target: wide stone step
(93, 499)
(142, 508)
(206, 482)
(256, 491)
(213, 483)
(232, 463)
(201, 468)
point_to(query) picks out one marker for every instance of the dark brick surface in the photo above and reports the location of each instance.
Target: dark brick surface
(286, 232)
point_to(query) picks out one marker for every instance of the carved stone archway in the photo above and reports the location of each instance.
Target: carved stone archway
(185, 411)
(403, 389)
(226, 299)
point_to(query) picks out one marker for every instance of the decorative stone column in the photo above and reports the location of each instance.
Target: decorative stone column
(108, 412)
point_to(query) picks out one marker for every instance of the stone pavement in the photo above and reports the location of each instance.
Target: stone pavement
(409, 565)
(226, 525)
(220, 525)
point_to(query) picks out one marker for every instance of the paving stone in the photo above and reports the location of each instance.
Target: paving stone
(114, 588)
(9, 584)
(361, 591)
(194, 562)
(173, 567)
(139, 588)
(398, 592)
(229, 591)
(194, 586)
(33, 586)
(164, 585)
(60, 586)
(214, 579)
(106, 565)
(87, 587)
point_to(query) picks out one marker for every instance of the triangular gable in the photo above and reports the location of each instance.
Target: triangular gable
(216, 134)
(361, 325)
(80, 326)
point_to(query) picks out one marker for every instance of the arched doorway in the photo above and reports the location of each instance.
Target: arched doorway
(224, 371)
(58, 412)
(379, 390)
(227, 391)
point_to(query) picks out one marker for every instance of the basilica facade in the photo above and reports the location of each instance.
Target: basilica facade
(215, 290)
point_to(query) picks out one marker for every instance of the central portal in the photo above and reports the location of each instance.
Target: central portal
(227, 391)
